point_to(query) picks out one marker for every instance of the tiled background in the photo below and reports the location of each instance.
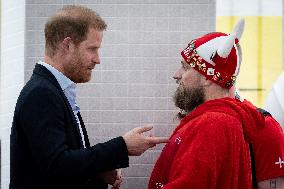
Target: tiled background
(131, 87)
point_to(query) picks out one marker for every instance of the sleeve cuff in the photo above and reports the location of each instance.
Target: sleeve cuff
(122, 153)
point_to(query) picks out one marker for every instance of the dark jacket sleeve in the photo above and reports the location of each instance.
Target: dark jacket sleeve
(43, 118)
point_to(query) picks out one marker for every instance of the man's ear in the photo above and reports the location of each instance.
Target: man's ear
(67, 44)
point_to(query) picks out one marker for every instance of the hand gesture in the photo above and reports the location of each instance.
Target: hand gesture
(137, 143)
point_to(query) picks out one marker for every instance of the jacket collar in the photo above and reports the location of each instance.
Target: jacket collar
(44, 72)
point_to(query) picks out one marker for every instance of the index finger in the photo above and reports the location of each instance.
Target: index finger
(158, 140)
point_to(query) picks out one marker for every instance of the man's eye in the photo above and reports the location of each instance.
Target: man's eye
(94, 49)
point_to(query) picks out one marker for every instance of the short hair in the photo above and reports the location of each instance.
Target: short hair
(71, 21)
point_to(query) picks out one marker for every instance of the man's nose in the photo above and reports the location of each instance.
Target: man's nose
(177, 74)
(96, 59)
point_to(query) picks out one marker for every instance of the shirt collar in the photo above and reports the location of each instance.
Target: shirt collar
(68, 86)
(63, 81)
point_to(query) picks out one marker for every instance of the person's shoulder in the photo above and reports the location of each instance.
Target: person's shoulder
(214, 125)
(40, 83)
(216, 116)
(39, 89)
(217, 120)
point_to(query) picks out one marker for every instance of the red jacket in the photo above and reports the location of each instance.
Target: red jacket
(209, 149)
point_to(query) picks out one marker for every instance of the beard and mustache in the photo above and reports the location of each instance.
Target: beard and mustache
(187, 99)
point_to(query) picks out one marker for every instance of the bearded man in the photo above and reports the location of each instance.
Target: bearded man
(210, 146)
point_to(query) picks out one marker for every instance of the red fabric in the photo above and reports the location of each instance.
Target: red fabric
(268, 147)
(208, 150)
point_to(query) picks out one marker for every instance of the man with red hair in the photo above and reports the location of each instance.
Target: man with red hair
(210, 146)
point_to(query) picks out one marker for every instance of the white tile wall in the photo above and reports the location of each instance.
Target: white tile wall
(11, 75)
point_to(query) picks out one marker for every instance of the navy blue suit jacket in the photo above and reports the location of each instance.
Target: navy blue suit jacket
(46, 146)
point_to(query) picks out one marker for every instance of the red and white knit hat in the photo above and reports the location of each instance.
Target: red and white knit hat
(216, 55)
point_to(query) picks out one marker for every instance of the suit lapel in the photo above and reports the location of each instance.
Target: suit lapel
(44, 72)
